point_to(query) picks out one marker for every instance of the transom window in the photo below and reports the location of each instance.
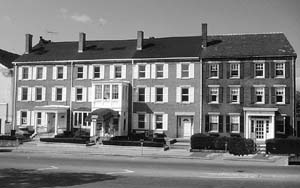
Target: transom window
(259, 70)
(118, 71)
(159, 70)
(39, 73)
(38, 93)
(214, 123)
(214, 95)
(25, 73)
(79, 92)
(158, 121)
(259, 93)
(24, 94)
(159, 94)
(234, 70)
(80, 72)
(280, 95)
(115, 92)
(141, 96)
(279, 69)
(142, 71)
(234, 123)
(141, 121)
(184, 94)
(234, 95)
(214, 70)
(96, 71)
(60, 72)
(185, 70)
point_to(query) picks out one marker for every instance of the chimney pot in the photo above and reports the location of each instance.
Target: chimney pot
(28, 43)
(81, 43)
(204, 35)
(140, 38)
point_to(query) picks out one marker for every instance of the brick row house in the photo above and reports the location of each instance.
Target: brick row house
(227, 84)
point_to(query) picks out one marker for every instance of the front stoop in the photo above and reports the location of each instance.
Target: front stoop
(261, 148)
(181, 143)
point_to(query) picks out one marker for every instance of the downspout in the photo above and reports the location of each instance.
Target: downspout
(293, 96)
(201, 94)
(14, 97)
(132, 93)
(71, 86)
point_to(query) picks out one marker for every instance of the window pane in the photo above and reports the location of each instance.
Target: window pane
(115, 91)
(214, 70)
(25, 71)
(159, 121)
(60, 72)
(141, 121)
(142, 71)
(234, 70)
(38, 93)
(141, 94)
(24, 93)
(184, 70)
(259, 69)
(79, 72)
(79, 94)
(279, 67)
(58, 94)
(23, 117)
(39, 72)
(159, 70)
(96, 71)
(185, 94)
(159, 94)
(118, 71)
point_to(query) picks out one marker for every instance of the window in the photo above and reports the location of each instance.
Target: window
(118, 71)
(234, 123)
(38, 93)
(142, 71)
(80, 119)
(159, 94)
(234, 95)
(280, 124)
(214, 95)
(115, 92)
(213, 70)
(106, 91)
(25, 73)
(23, 117)
(59, 94)
(279, 70)
(60, 73)
(38, 118)
(234, 70)
(24, 94)
(259, 70)
(141, 97)
(185, 70)
(96, 71)
(158, 121)
(79, 93)
(141, 121)
(184, 94)
(98, 92)
(39, 73)
(280, 95)
(214, 123)
(80, 72)
(159, 70)
(259, 94)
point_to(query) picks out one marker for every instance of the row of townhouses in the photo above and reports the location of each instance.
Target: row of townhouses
(237, 84)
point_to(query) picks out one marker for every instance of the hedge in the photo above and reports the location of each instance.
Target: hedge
(133, 143)
(241, 146)
(65, 140)
(5, 137)
(283, 146)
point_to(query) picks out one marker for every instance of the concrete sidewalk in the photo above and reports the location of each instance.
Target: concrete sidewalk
(153, 152)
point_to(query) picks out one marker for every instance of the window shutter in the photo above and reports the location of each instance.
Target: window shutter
(178, 70)
(18, 117)
(221, 70)
(228, 124)
(44, 73)
(33, 73)
(90, 94)
(267, 69)
(165, 94)
(227, 70)
(165, 122)
(207, 67)
(178, 94)
(241, 124)
(273, 95)
(124, 71)
(102, 71)
(287, 123)
(152, 94)
(29, 93)
(253, 99)
(220, 94)
(252, 64)
(135, 71)
(147, 94)
(228, 95)
(111, 72)
(147, 121)
(191, 70)
(241, 70)
(64, 94)
(20, 71)
(206, 123)
(153, 71)
(19, 93)
(33, 97)
(84, 94)
(287, 95)
(241, 95)
(91, 71)
(272, 69)
(208, 96)
(53, 94)
(54, 72)
(28, 117)
(166, 70)
(220, 123)
(30, 73)
(85, 71)
(266, 95)
(43, 93)
(65, 76)
(287, 69)
(73, 93)
(191, 94)
(135, 121)
(148, 71)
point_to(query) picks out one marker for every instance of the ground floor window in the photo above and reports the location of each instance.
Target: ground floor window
(214, 123)
(141, 121)
(79, 119)
(158, 121)
(38, 118)
(23, 117)
(234, 123)
(280, 124)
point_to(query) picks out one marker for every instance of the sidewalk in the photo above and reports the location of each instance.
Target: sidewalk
(133, 151)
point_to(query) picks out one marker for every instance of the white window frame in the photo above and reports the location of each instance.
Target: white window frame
(76, 121)
(36, 76)
(160, 71)
(235, 91)
(138, 91)
(280, 91)
(77, 94)
(162, 121)
(28, 76)
(115, 95)
(214, 67)
(39, 118)
(141, 121)
(259, 67)
(62, 93)
(36, 89)
(23, 120)
(188, 94)
(144, 72)
(259, 91)
(232, 118)
(185, 71)
(27, 93)
(214, 119)
(214, 91)
(77, 72)
(99, 96)
(115, 71)
(277, 68)
(162, 94)
(235, 67)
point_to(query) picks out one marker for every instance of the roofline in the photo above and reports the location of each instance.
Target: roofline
(102, 60)
(241, 57)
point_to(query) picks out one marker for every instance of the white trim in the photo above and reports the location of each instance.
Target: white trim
(259, 61)
(184, 113)
(234, 61)
(213, 113)
(251, 109)
(279, 85)
(238, 86)
(213, 86)
(280, 61)
(212, 62)
(259, 86)
(234, 114)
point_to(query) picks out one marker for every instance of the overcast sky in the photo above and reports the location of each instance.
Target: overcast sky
(62, 20)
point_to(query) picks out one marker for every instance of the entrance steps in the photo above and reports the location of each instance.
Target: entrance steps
(43, 135)
(261, 148)
(181, 143)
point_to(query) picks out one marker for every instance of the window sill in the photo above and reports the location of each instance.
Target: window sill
(280, 103)
(185, 78)
(235, 103)
(213, 78)
(259, 77)
(234, 78)
(213, 103)
(279, 77)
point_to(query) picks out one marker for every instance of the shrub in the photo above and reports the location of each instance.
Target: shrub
(202, 141)
(240, 146)
(8, 137)
(65, 140)
(283, 146)
(220, 142)
(132, 143)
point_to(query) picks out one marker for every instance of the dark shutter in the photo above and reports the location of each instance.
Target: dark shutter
(228, 95)
(220, 95)
(241, 123)
(253, 99)
(273, 96)
(207, 70)
(267, 69)
(241, 70)
(221, 70)
(252, 64)
(287, 95)
(266, 95)
(206, 123)
(272, 69)
(287, 69)
(241, 95)
(287, 126)
(228, 124)
(228, 70)
(208, 98)
(220, 123)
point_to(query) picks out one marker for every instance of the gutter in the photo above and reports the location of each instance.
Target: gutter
(71, 85)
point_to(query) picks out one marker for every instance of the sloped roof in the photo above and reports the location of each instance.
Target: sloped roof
(6, 58)
(221, 46)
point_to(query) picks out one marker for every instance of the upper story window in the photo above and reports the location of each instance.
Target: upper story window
(79, 94)
(214, 70)
(80, 72)
(59, 94)
(60, 72)
(142, 70)
(25, 73)
(25, 96)
(141, 121)
(235, 95)
(259, 70)
(98, 92)
(141, 94)
(234, 70)
(213, 95)
(185, 68)
(39, 73)
(280, 95)
(260, 95)
(118, 71)
(279, 70)
(184, 94)
(96, 72)
(159, 70)
(159, 94)
(115, 92)
(38, 93)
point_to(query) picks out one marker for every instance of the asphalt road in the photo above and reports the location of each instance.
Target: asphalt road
(41, 170)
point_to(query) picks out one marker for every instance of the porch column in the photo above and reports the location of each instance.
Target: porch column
(56, 123)
(93, 127)
(273, 126)
(34, 121)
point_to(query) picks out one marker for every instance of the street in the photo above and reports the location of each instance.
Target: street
(50, 170)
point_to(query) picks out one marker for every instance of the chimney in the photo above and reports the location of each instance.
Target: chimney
(140, 38)
(28, 43)
(81, 44)
(204, 35)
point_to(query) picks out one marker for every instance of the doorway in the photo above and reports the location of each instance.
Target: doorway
(185, 126)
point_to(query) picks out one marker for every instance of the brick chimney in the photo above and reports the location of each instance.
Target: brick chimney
(204, 35)
(28, 43)
(81, 43)
(140, 38)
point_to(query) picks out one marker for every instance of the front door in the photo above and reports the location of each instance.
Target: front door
(51, 122)
(185, 126)
(261, 129)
